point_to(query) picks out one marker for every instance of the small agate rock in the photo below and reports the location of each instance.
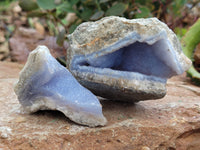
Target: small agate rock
(127, 60)
(46, 85)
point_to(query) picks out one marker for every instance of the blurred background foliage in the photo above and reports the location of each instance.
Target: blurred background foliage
(70, 13)
(57, 18)
(63, 16)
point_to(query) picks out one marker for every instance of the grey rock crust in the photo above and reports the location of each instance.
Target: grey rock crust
(91, 37)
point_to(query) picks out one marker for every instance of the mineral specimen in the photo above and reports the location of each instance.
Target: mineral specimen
(44, 84)
(127, 60)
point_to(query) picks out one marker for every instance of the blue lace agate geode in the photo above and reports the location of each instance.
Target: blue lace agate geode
(127, 60)
(45, 84)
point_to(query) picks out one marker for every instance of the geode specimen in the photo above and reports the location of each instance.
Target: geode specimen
(127, 60)
(45, 84)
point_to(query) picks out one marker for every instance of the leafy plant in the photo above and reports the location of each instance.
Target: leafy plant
(86, 10)
(189, 43)
(4, 4)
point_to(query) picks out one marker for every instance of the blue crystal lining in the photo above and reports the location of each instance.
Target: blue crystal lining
(54, 82)
(132, 58)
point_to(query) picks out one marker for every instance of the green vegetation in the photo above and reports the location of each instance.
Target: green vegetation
(4, 4)
(86, 10)
(56, 11)
(61, 17)
(189, 43)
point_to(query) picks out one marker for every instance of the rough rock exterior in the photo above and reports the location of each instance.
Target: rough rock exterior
(94, 39)
(169, 123)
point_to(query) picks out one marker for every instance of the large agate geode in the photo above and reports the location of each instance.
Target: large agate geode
(44, 84)
(128, 60)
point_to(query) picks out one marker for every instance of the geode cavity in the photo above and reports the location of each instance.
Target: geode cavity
(127, 60)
